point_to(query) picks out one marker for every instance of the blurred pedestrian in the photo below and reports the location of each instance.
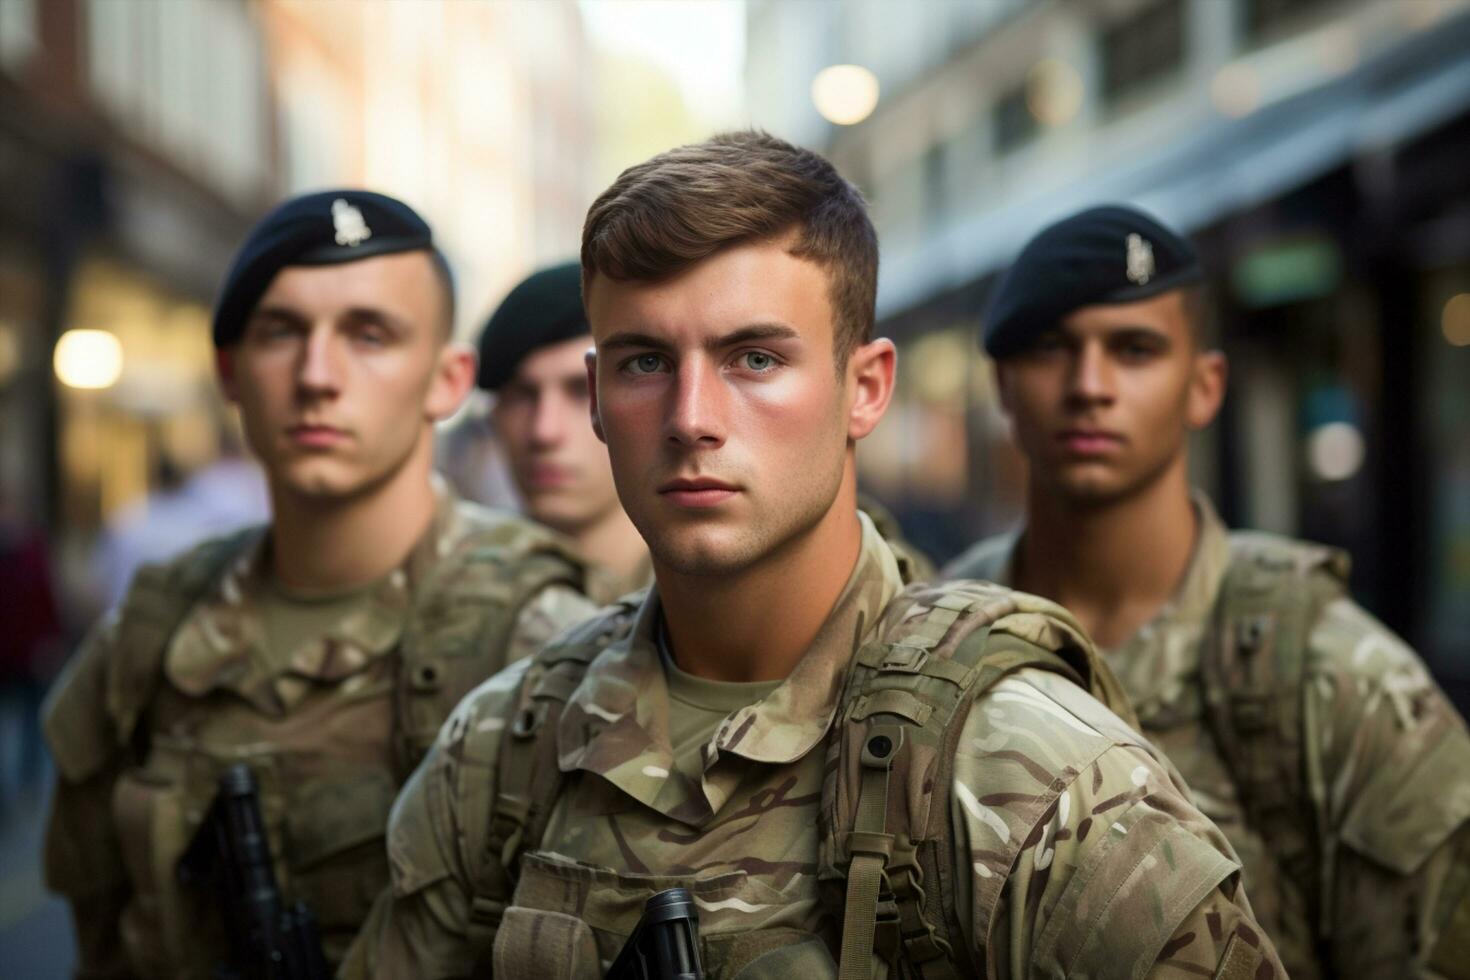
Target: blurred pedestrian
(1313, 736)
(30, 641)
(184, 509)
(533, 354)
(323, 650)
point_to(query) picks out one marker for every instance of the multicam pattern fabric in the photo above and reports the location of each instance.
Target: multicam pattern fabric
(1110, 871)
(154, 706)
(1386, 771)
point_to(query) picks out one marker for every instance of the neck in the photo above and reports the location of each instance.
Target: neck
(327, 545)
(612, 542)
(756, 624)
(1115, 564)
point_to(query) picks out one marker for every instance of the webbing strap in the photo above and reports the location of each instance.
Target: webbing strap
(871, 847)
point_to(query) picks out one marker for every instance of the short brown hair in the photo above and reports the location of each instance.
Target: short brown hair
(680, 207)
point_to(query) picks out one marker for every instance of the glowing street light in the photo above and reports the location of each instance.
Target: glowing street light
(1455, 321)
(845, 94)
(88, 359)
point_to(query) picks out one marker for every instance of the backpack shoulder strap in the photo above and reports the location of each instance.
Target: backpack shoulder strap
(156, 604)
(528, 776)
(464, 614)
(1252, 671)
(886, 837)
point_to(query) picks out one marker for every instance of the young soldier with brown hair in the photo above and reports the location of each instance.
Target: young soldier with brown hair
(1310, 733)
(323, 651)
(838, 768)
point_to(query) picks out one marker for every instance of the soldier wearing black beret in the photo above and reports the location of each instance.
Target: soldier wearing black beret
(1244, 655)
(323, 650)
(532, 359)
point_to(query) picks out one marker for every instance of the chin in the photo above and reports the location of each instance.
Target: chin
(699, 553)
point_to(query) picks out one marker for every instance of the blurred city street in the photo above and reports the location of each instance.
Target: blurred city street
(1315, 152)
(36, 940)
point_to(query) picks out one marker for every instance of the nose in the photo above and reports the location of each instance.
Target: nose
(549, 419)
(318, 374)
(695, 416)
(1091, 381)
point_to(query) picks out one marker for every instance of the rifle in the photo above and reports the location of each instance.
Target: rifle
(267, 940)
(665, 943)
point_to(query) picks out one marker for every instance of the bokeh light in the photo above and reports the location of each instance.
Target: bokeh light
(1236, 91)
(845, 94)
(1455, 321)
(1335, 451)
(1053, 92)
(88, 359)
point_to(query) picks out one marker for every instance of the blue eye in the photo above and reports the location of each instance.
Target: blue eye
(758, 361)
(644, 364)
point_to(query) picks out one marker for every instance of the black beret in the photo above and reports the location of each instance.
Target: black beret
(1111, 254)
(325, 228)
(544, 309)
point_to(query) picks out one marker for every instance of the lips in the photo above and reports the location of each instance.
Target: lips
(543, 476)
(1090, 442)
(316, 436)
(697, 492)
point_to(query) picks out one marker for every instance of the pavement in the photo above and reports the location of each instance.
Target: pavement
(36, 938)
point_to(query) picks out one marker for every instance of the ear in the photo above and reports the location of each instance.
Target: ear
(224, 369)
(590, 358)
(870, 376)
(1002, 386)
(454, 376)
(1206, 388)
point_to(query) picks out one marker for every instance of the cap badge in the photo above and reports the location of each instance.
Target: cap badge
(351, 229)
(1140, 260)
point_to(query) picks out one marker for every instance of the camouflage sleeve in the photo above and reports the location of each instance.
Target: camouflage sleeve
(1084, 854)
(436, 833)
(82, 858)
(1388, 769)
(547, 614)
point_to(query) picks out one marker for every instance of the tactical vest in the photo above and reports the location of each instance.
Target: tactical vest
(887, 848)
(327, 778)
(1252, 670)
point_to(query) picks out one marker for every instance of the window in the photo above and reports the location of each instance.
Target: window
(1265, 16)
(1143, 48)
(1014, 123)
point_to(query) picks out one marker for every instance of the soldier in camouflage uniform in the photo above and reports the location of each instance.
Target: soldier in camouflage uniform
(324, 650)
(842, 770)
(532, 361)
(1307, 731)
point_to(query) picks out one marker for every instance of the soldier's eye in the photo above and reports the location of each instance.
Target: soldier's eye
(644, 364)
(758, 361)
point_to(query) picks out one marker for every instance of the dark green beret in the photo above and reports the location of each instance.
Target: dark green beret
(324, 228)
(1112, 254)
(544, 309)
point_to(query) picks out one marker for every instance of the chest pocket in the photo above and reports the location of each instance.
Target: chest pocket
(569, 920)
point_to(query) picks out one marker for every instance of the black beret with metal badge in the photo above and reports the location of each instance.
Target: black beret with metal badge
(1109, 254)
(323, 228)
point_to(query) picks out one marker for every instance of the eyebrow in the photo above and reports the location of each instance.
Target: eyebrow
(743, 335)
(373, 313)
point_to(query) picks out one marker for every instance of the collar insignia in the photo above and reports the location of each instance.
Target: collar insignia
(1140, 260)
(352, 230)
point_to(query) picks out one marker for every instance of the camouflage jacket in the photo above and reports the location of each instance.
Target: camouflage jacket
(1385, 773)
(1076, 851)
(176, 685)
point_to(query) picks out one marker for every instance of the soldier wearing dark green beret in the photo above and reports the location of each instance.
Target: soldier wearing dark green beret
(1312, 735)
(323, 650)
(533, 362)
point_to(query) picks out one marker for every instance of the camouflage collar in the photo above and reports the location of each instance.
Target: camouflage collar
(625, 690)
(220, 644)
(1159, 665)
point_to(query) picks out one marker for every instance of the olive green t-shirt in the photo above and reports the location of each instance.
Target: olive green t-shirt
(290, 620)
(697, 706)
